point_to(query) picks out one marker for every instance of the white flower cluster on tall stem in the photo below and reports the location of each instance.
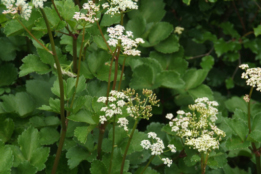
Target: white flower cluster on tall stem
(118, 6)
(156, 146)
(198, 126)
(253, 76)
(38, 3)
(20, 7)
(129, 45)
(90, 16)
(114, 107)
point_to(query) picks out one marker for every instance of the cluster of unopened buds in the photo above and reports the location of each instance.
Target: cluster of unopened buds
(198, 126)
(129, 45)
(156, 146)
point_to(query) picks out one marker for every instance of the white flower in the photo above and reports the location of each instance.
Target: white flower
(90, 15)
(252, 76)
(152, 135)
(179, 30)
(172, 148)
(105, 5)
(116, 6)
(102, 119)
(169, 116)
(167, 161)
(21, 7)
(180, 112)
(102, 99)
(128, 44)
(246, 98)
(38, 3)
(175, 128)
(123, 123)
(120, 103)
(145, 144)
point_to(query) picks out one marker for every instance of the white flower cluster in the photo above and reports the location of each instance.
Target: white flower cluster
(118, 6)
(38, 3)
(66, 71)
(253, 76)
(198, 127)
(129, 45)
(157, 147)
(114, 107)
(20, 7)
(179, 30)
(91, 14)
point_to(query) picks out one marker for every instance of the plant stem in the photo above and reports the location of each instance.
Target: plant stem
(258, 167)
(203, 163)
(63, 133)
(122, 70)
(128, 145)
(116, 68)
(113, 141)
(35, 37)
(151, 158)
(103, 126)
(79, 66)
(75, 54)
(104, 37)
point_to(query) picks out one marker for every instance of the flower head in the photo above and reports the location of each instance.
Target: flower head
(38, 3)
(118, 6)
(252, 76)
(90, 16)
(129, 45)
(20, 7)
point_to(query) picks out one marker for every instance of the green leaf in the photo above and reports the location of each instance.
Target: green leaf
(255, 135)
(236, 103)
(82, 116)
(97, 88)
(222, 46)
(22, 104)
(150, 10)
(6, 130)
(207, 62)
(98, 167)
(100, 42)
(6, 159)
(170, 79)
(8, 74)
(39, 122)
(85, 70)
(216, 161)
(76, 155)
(148, 170)
(108, 20)
(257, 30)
(47, 57)
(160, 32)
(81, 133)
(48, 136)
(25, 168)
(235, 143)
(100, 65)
(229, 170)
(143, 78)
(201, 91)
(194, 78)
(67, 9)
(186, 2)
(31, 150)
(238, 127)
(32, 63)
(170, 45)
(229, 83)
(228, 28)
(120, 136)
(137, 25)
(7, 49)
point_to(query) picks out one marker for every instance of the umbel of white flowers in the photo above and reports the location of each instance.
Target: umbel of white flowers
(157, 147)
(21, 7)
(252, 76)
(198, 126)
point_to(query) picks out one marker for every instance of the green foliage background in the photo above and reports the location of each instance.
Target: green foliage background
(203, 61)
